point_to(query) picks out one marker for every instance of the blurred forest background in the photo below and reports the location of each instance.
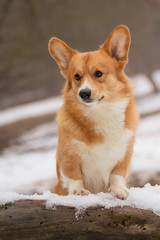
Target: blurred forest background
(27, 72)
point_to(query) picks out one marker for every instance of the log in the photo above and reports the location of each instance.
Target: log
(31, 220)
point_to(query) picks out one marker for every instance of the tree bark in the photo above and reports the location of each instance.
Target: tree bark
(155, 87)
(30, 220)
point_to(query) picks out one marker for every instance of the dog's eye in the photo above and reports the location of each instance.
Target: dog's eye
(77, 76)
(98, 74)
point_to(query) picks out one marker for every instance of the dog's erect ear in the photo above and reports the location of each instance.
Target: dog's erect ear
(61, 52)
(117, 44)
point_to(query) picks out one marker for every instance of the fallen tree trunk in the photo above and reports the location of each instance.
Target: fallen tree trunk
(30, 220)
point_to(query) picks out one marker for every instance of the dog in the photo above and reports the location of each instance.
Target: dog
(98, 119)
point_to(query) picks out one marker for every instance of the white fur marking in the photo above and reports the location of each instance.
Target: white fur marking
(118, 187)
(86, 84)
(98, 160)
(74, 186)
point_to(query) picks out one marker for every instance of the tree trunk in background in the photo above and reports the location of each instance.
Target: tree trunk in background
(30, 220)
(149, 75)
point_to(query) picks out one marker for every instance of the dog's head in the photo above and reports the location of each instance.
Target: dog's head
(95, 77)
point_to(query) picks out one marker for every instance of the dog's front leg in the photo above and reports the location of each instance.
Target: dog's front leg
(71, 176)
(75, 187)
(119, 174)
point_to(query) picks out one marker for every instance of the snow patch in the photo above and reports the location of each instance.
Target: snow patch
(28, 172)
(156, 78)
(146, 156)
(146, 198)
(30, 110)
(141, 85)
(11, 197)
(148, 104)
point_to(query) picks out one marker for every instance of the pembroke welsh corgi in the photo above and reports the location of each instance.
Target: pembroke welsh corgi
(98, 119)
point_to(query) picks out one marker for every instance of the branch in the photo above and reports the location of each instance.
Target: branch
(30, 220)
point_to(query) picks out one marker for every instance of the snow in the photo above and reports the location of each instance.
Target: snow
(141, 85)
(146, 150)
(11, 197)
(25, 173)
(31, 166)
(148, 104)
(30, 110)
(146, 198)
(156, 78)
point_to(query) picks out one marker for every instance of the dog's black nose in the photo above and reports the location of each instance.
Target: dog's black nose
(85, 93)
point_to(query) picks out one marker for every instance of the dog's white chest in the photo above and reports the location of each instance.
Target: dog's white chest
(98, 160)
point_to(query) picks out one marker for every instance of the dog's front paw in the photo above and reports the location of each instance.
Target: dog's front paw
(79, 191)
(119, 191)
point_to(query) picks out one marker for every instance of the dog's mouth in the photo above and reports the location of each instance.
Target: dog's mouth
(92, 100)
(100, 99)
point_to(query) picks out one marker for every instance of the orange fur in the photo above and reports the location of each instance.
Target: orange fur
(74, 125)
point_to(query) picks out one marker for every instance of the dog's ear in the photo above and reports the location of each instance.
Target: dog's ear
(61, 52)
(117, 44)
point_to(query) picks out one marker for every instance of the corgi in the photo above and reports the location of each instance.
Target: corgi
(98, 119)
